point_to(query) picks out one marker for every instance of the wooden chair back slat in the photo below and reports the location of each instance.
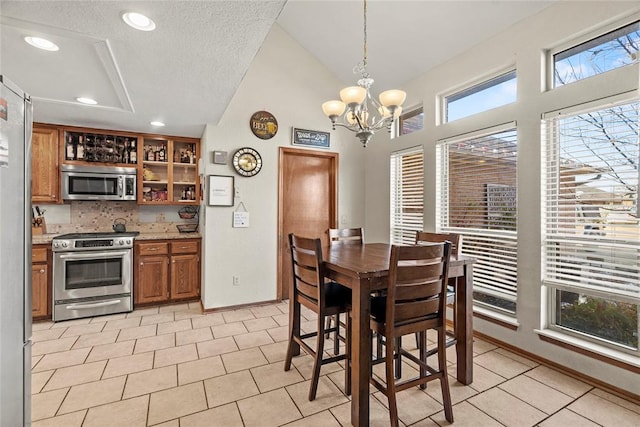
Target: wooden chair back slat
(423, 237)
(346, 235)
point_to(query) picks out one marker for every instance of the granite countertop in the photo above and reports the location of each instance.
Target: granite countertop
(40, 239)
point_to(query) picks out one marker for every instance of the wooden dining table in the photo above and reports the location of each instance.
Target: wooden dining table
(364, 268)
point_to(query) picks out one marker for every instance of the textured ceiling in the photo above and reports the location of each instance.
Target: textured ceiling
(186, 71)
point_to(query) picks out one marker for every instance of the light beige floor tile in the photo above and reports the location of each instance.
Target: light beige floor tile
(282, 320)
(175, 326)
(304, 364)
(228, 329)
(378, 414)
(69, 323)
(193, 336)
(61, 359)
(130, 322)
(176, 402)
(500, 364)
(268, 409)
(243, 359)
(78, 374)
(260, 324)
(200, 369)
(36, 359)
(128, 364)
(604, 412)
(273, 376)
(231, 387)
(69, 420)
(321, 419)
(157, 318)
(635, 407)
(172, 423)
(216, 347)
(129, 413)
(458, 391)
(155, 343)
(237, 315)
(536, 394)
(150, 381)
(192, 313)
(227, 415)
(507, 409)
(174, 307)
(92, 394)
(46, 334)
(483, 379)
(40, 326)
(135, 333)
(481, 346)
(559, 381)
(143, 312)
(195, 304)
(327, 396)
(275, 352)
(253, 339)
(108, 351)
(265, 311)
(52, 346)
(567, 418)
(413, 404)
(45, 405)
(175, 355)
(98, 338)
(280, 333)
(39, 379)
(207, 320)
(90, 328)
(467, 415)
(108, 317)
(511, 355)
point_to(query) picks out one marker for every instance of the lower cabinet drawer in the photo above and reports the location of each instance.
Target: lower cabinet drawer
(188, 247)
(39, 254)
(153, 248)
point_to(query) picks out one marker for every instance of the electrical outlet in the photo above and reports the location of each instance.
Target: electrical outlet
(236, 281)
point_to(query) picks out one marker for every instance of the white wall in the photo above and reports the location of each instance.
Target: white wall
(522, 45)
(287, 81)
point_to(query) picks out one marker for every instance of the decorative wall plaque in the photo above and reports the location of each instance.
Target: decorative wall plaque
(263, 125)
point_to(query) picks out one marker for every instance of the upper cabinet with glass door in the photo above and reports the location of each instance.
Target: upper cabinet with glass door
(169, 173)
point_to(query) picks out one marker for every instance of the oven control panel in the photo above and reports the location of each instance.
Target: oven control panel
(70, 245)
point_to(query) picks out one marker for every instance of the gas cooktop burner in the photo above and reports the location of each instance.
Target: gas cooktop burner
(97, 235)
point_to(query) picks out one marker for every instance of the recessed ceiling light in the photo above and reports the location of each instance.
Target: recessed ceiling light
(156, 123)
(87, 101)
(41, 43)
(138, 21)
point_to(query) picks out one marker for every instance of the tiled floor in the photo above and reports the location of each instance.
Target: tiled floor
(174, 367)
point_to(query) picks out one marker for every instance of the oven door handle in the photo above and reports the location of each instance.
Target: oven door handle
(94, 254)
(93, 305)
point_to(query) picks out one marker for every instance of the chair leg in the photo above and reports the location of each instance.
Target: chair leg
(328, 325)
(444, 379)
(391, 384)
(294, 314)
(317, 360)
(336, 341)
(347, 361)
(422, 349)
(398, 358)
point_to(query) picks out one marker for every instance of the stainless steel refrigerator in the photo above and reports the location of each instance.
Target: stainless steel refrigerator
(15, 255)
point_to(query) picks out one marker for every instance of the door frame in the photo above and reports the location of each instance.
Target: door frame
(284, 151)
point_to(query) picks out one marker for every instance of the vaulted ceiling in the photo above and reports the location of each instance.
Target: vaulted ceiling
(186, 71)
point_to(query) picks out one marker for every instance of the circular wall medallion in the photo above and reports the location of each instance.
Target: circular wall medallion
(247, 161)
(263, 125)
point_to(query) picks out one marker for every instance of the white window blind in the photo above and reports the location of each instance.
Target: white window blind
(591, 202)
(477, 197)
(407, 195)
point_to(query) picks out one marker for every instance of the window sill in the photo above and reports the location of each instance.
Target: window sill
(497, 318)
(620, 359)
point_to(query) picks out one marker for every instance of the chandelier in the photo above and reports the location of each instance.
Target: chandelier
(358, 110)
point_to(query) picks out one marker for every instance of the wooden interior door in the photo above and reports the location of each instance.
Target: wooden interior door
(307, 202)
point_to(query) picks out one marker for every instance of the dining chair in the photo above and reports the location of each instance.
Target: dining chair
(310, 290)
(342, 236)
(415, 302)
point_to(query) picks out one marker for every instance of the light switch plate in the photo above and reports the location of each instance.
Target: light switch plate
(220, 157)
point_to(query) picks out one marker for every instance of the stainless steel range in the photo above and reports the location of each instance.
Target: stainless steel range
(92, 274)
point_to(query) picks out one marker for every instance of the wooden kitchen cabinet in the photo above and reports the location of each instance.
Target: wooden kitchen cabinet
(45, 186)
(40, 291)
(166, 271)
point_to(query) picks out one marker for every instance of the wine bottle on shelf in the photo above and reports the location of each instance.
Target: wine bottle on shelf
(162, 154)
(70, 151)
(133, 153)
(80, 148)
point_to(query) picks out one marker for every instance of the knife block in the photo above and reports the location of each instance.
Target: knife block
(38, 226)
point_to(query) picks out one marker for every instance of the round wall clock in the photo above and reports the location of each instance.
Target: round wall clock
(247, 161)
(263, 125)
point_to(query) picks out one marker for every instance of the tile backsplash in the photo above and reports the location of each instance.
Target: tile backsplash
(98, 216)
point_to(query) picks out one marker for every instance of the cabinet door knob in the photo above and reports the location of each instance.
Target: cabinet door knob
(41, 271)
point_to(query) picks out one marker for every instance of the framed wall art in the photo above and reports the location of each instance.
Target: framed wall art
(310, 138)
(220, 190)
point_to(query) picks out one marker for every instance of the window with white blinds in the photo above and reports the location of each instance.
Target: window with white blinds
(590, 222)
(477, 197)
(407, 195)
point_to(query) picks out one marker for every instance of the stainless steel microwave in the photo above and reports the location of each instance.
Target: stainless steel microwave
(98, 183)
